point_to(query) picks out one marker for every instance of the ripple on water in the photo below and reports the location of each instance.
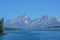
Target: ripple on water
(31, 35)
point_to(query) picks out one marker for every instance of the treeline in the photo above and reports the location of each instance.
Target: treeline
(1, 25)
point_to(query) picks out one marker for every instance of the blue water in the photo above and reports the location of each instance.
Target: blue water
(31, 35)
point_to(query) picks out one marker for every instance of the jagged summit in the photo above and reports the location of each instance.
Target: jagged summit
(19, 21)
(23, 16)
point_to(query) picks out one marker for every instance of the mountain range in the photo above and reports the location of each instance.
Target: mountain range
(25, 22)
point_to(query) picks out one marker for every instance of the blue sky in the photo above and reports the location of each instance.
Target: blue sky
(33, 8)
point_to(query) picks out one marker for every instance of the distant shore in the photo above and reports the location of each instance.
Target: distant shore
(8, 28)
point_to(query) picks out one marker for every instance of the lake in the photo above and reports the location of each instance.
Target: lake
(30, 35)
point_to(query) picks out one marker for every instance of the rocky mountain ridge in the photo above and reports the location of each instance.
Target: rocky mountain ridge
(24, 21)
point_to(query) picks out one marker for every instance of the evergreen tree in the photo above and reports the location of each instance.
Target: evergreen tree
(1, 25)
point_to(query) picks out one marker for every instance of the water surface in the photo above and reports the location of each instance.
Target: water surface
(31, 35)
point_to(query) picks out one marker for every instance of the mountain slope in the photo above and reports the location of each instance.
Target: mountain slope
(18, 22)
(24, 21)
(44, 21)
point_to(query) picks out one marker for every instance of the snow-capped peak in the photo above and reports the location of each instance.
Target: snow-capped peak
(58, 19)
(26, 21)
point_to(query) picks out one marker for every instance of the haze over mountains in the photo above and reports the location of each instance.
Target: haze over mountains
(24, 21)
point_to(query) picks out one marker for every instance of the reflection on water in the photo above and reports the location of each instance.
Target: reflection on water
(31, 35)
